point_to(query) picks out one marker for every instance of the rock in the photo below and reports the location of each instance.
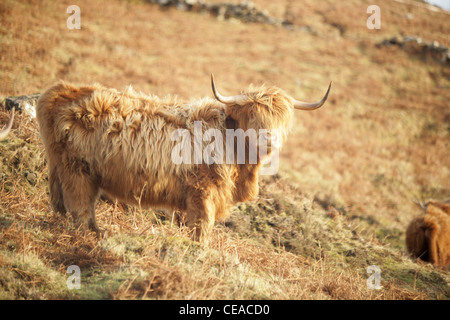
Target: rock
(163, 2)
(245, 11)
(21, 101)
(31, 177)
(429, 50)
(182, 6)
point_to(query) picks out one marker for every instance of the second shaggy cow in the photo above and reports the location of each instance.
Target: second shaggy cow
(428, 235)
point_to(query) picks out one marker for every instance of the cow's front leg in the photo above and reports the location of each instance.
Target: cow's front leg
(200, 215)
(80, 193)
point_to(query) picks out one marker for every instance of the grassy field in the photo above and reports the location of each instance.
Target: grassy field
(340, 202)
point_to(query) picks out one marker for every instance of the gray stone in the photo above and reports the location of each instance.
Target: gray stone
(416, 45)
(245, 11)
(31, 177)
(20, 101)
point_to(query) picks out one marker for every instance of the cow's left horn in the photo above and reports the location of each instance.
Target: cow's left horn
(8, 126)
(311, 106)
(227, 100)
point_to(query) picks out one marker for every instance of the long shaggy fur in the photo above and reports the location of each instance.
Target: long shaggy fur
(100, 140)
(428, 236)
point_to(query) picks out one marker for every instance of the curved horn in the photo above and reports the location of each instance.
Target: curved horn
(311, 106)
(8, 126)
(227, 100)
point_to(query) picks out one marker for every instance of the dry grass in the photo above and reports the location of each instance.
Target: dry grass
(140, 257)
(341, 200)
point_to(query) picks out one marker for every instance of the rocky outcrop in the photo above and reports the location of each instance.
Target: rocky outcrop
(245, 11)
(416, 45)
(21, 103)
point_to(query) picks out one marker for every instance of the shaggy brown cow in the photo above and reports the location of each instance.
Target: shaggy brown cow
(428, 235)
(121, 144)
(8, 126)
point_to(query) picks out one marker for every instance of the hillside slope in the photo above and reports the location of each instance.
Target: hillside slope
(340, 202)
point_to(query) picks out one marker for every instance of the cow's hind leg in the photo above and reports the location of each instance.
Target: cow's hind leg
(80, 192)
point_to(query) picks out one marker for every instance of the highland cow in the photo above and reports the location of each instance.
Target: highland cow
(102, 141)
(8, 126)
(428, 235)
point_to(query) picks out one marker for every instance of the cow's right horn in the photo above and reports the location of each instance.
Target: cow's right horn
(8, 126)
(311, 106)
(239, 99)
